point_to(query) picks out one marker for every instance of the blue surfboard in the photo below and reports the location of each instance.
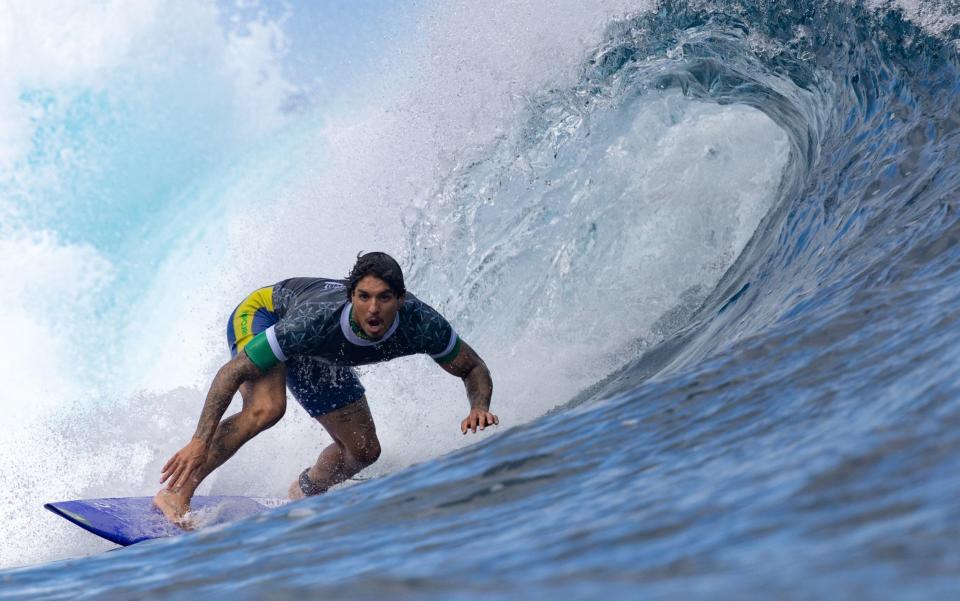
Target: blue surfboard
(129, 520)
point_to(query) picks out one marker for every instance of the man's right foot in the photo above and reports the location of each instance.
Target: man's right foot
(173, 506)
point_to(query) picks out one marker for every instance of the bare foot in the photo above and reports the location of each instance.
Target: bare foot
(295, 493)
(173, 506)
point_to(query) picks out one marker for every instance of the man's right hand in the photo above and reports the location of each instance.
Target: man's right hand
(184, 463)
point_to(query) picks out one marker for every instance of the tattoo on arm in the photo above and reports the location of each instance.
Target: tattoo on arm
(224, 386)
(476, 377)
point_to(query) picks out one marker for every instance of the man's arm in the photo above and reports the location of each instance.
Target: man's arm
(468, 366)
(226, 384)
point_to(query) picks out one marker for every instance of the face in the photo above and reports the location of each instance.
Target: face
(374, 306)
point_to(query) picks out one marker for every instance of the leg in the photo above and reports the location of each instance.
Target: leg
(355, 447)
(264, 403)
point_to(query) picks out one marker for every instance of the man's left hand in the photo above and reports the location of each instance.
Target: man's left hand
(478, 418)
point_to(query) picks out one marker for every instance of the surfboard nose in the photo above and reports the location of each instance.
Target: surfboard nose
(130, 520)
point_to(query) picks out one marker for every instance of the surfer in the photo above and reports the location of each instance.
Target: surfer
(306, 334)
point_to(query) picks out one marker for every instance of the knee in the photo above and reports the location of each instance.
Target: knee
(266, 416)
(368, 453)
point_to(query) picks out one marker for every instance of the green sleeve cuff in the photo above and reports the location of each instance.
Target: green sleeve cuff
(451, 355)
(260, 352)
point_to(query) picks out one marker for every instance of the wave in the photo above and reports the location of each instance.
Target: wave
(866, 100)
(722, 251)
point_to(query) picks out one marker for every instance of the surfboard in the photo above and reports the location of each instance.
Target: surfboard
(129, 520)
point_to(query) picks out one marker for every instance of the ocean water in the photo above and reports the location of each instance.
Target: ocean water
(708, 249)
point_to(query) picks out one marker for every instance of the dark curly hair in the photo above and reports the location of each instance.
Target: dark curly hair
(380, 265)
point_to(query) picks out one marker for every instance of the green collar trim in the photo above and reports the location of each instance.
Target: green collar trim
(356, 327)
(355, 334)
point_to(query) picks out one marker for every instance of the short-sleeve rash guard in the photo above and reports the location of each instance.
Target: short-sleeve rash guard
(314, 319)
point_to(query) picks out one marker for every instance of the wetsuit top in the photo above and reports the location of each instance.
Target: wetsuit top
(314, 319)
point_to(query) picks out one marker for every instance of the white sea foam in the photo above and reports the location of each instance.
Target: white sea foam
(937, 18)
(86, 84)
(50, 292)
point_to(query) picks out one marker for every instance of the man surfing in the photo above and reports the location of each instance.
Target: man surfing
(306, 334)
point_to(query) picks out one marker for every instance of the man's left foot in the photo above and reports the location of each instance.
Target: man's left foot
(295, 494)
(173, 507)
